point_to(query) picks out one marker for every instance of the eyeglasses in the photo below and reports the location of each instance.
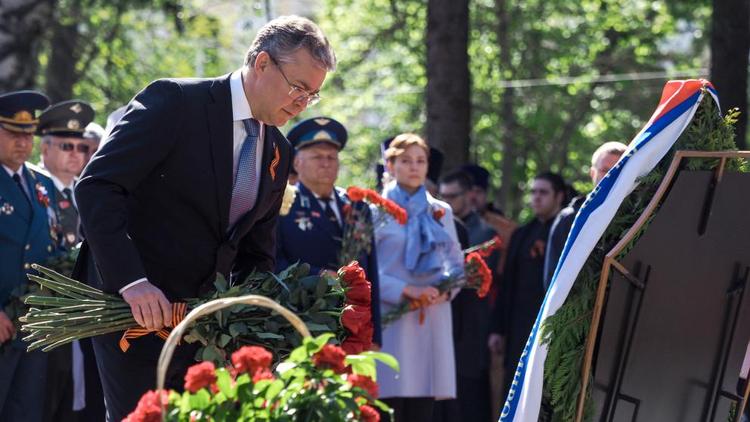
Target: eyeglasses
(451, 196)
(69, 146)
(299, 94)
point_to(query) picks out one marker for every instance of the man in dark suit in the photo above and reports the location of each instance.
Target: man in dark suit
(522, 286)
(317, 215)
(27, 235)
(189, 184)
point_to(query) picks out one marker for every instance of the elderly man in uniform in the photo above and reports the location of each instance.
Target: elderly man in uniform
(66, 149)
(27, 235)
(316, 216)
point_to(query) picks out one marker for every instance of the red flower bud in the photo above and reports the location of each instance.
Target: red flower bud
(355, 317)
(263, 374)
(200, 376)
(368, 414)
(330, 357)
(364, 382)
(149, 407)
(251, 359)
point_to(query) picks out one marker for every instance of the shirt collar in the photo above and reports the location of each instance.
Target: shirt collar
(59, 185)
(240, 107)
(10, 172)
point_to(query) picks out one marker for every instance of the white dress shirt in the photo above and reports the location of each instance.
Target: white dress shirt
(19, 172)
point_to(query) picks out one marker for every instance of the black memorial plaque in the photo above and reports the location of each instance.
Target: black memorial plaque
(675, 330)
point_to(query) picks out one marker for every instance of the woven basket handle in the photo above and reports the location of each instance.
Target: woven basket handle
(209, 307)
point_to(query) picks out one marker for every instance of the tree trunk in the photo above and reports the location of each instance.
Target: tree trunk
(22, 26)
(65, 51)
(448, 84)
(507, 115)
(730, 46)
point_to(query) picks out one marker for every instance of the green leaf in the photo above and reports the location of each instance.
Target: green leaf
(362, 365)
(322, 287)
(200, 400)
(383, 357)
(266, 336)
(274, 389)
(224, 382)
(237, 328)
(224, 340)
(312, 326)
(220, 283)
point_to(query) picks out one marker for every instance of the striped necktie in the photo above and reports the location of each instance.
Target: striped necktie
(245, 188)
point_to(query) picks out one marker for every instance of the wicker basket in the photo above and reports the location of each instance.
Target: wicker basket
(174, 337)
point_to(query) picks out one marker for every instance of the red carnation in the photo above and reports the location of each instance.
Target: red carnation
(351, 273)
(368, 414)
(356, 345)
(438, 213)
(354, 317)
(251, 359)
(263, 374)
(149, 407)
(478, 273)
(355, 194)
(202, 375)
(332, 357)
(359, 294)
(364, 382)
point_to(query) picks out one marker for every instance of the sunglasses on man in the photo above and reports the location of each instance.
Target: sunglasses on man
(70, 146)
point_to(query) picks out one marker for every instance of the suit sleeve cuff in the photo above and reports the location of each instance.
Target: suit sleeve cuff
(127, 286)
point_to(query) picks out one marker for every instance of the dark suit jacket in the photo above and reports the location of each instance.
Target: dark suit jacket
(154, 201)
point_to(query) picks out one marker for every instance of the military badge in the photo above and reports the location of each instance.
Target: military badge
(304, 201)
(7, 208)
(74, 124)
(64, 204)
(41, 195)
(304, 223)
(71, 238)
(315, 214)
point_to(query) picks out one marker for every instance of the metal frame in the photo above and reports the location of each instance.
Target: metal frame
(610, 260)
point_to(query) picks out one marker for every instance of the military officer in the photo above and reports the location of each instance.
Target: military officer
(73, 388)
(65, 150)
(27, 235)
(311, 232)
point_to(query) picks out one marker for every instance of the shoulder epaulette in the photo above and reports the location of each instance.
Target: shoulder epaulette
(35, 169)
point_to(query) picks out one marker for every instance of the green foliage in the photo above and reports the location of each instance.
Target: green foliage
(300, 391)
(565, 332)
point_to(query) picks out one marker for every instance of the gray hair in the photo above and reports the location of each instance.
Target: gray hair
(284, 35)
(614, 148)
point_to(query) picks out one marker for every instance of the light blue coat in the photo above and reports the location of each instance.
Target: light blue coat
(424, 352)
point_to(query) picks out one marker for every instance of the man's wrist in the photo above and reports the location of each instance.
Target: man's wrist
(127, 286)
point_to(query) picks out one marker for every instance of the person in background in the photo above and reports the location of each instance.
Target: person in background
(316, 216)
(470, 313)
(412, 258)
(522, 287)
(94, 134)
(603, 159)
(27, 236)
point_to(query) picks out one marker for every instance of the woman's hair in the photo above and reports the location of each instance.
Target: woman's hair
(401, 143)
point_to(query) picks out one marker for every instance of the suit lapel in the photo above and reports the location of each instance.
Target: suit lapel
(220, 126)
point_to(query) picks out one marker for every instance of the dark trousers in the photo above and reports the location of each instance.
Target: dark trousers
(127, 375)
(94, 410)
(58, 403)
(474, 397)
(22, 380)
(410, 409)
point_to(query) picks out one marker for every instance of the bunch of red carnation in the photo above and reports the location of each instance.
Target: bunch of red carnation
(478, 274)
(357, 314)
(357, 194)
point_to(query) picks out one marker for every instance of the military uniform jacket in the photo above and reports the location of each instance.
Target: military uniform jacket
(27, 232)
(306, 235)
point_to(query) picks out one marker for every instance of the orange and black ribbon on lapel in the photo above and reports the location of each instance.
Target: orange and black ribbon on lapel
(179, 310)
(275, 162)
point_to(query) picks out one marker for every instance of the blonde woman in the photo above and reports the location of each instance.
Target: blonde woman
(412, 259)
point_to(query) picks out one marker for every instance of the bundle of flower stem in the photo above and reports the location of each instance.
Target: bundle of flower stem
(76, 311)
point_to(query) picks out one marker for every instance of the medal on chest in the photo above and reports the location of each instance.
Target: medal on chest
(303, 223)
(7, 208)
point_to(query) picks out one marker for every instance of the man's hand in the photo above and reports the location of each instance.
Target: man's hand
(7, 329)
(496, 344)
(150, 307)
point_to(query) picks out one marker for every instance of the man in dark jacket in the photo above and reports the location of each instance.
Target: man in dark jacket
(189, 184)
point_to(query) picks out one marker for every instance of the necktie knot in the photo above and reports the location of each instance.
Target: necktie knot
(252, 128)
